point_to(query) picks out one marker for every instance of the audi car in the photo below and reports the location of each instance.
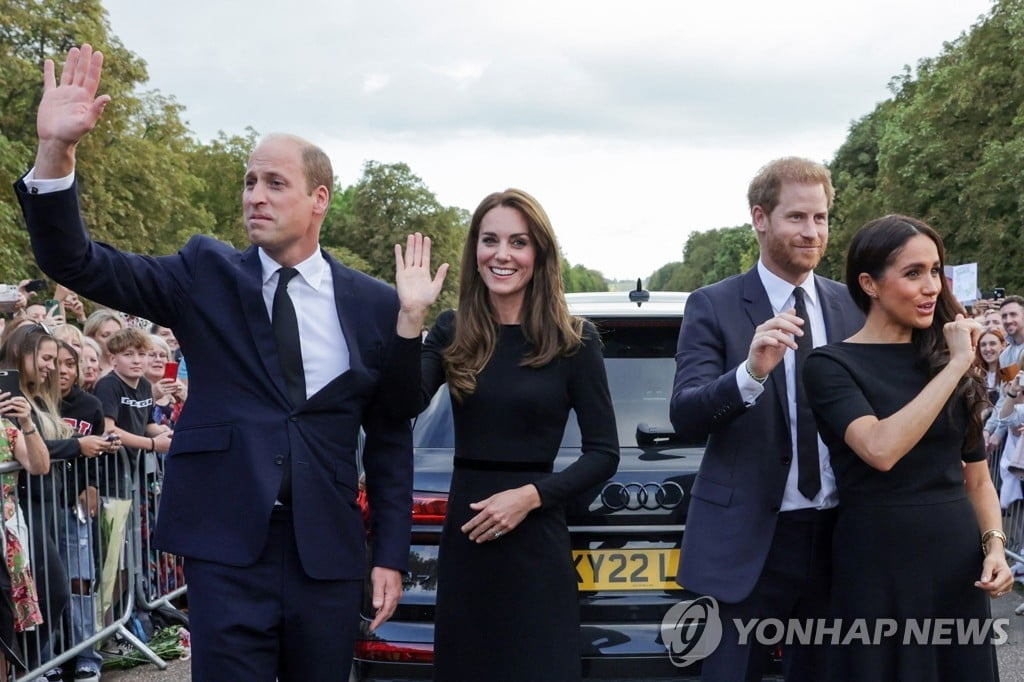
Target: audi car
(626, 532)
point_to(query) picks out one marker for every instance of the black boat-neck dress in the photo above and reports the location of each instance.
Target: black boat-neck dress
(508, 609)
(906, 544)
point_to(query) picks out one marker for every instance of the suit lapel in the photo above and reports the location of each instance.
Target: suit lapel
(250, 291)
(832, 311)
(759, 310)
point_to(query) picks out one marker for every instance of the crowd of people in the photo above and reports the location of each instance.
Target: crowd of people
(72, 376)
(875, 404)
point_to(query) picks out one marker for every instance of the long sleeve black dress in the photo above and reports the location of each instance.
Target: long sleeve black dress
(508, 609)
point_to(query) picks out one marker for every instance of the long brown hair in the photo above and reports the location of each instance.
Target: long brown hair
(979, 361)
(546, 322)
(873, 249)
(19, 352)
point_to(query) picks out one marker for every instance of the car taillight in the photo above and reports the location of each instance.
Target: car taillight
(429, 509)
(392, 652)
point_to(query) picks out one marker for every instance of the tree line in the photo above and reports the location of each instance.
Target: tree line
(946, 147)
(148, 183)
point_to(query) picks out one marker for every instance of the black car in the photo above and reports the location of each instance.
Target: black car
(625, 532)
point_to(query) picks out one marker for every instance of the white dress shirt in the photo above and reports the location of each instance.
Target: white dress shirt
(325, 353)
(780, 294)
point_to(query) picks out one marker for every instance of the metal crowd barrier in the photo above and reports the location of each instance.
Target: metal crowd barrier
(96, 570)
(1010, 489)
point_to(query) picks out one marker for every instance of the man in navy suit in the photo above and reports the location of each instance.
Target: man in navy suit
(758, 530)
(261, 480)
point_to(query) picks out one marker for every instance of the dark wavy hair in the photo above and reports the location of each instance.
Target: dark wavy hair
(873, 249)
(546, 323)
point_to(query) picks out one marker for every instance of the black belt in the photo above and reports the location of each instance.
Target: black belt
(502, 465)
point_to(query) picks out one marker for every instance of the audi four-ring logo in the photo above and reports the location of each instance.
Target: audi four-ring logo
(635, 496)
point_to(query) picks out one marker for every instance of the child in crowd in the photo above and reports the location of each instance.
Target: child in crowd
(127, 397)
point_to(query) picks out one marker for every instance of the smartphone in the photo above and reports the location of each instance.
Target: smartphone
(171, 370)
(35, 285)
(999, 292)
(10, 382)
(52, 306)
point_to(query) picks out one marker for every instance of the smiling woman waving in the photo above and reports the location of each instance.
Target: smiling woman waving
(516, 362)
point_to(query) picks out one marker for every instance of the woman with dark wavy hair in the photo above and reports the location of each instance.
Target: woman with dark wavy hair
(900, 409)
(516, 362)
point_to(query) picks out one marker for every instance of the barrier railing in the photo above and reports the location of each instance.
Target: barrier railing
(1010, 488)
(91, 573)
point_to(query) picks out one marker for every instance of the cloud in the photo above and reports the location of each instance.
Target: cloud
(634, 123)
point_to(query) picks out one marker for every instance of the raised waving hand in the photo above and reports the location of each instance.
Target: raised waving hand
(68, 110)
(417, 290)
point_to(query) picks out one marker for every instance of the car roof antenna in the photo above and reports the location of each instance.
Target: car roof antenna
(639, 296)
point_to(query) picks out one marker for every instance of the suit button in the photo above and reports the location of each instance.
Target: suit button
(279, 459)
(787, 459)
(293, 419)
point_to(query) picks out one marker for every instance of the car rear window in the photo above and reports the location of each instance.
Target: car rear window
(640, 361)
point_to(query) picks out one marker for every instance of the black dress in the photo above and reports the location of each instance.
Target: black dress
(508, 609)
(906, 544)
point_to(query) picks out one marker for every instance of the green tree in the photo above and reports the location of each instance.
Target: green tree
(946, 148)
(708, 257)
(576, 278)
(385, 205)
(138, 190)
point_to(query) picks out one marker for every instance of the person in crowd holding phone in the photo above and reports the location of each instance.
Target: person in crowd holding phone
(35, 312)
(176, 356)
(901, 412)
(324, 359)
(71, 307)
(20, 440)
(33, 351)
(169, 393)
(515, 363)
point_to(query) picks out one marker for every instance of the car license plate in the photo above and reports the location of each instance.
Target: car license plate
(624, 569)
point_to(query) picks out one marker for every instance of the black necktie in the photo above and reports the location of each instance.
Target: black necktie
(808, 470)
(286, 333)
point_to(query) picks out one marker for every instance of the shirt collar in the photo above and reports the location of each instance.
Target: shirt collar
(311, 269)
(780, 292)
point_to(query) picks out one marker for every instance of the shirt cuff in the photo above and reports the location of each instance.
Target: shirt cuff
(49, 185)
(750, 390)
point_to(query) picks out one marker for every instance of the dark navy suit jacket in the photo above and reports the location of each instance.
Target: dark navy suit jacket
(238, 427)
(738, 490)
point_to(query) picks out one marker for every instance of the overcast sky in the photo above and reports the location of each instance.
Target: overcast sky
(634, 123)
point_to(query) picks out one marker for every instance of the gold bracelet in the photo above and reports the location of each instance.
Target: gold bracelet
(988, 535)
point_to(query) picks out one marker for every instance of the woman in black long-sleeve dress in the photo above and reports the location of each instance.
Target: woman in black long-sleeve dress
(515, 363)
(900, 411)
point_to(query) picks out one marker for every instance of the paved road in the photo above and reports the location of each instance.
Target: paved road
(1011, 654)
